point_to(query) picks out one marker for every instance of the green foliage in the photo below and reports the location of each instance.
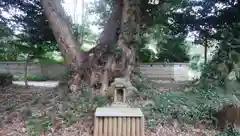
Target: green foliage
(211, 25)
(103, 9)
(34, 26)
(196, 64)
(210, 21)
(70, 107)
(8, 107)
(82, 107)
(170, 47)
(145, 87)
(173, 52)
(178, 105)
(34, 39)
(84, 32)
(61, 105)
(5, 79)
(5, 42)
(189, 105)
(4, 30)
(146, 55)
(226, 57)
(36, 126)
(229, 132)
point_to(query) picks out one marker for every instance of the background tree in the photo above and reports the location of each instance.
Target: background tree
(6, 36)
(214, 21)
(170, 47)
(28, 23)
(33, 38)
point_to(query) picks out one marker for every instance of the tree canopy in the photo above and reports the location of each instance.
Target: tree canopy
(158, 25)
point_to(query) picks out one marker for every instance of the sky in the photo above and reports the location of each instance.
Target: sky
(72, 6)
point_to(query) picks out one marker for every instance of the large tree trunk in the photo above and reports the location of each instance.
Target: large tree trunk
(127, 43)
(205, 51)
(129, 38)
(99, 65)
(103, 55)
(74, 57)
(61, 29)
(26, 71)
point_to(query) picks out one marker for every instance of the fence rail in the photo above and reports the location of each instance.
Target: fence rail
(176, 71)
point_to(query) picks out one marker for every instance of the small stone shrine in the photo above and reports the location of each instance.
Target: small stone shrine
(119, 119)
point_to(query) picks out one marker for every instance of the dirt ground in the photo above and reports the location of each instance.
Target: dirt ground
(15, 97)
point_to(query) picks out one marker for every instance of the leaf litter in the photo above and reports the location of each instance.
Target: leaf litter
(42, 101)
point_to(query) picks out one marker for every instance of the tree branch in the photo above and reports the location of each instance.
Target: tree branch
(59, 23)
(110, 34)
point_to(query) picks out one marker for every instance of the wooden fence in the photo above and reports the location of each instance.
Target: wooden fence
(156, 71)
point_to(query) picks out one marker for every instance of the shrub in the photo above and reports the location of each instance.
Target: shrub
(5, 79)
(229, 132)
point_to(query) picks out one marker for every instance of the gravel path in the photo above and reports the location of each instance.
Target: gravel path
(49, 84)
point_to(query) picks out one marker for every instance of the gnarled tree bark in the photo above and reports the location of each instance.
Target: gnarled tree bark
(99, 65)
(129, 37)
(70, 49)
